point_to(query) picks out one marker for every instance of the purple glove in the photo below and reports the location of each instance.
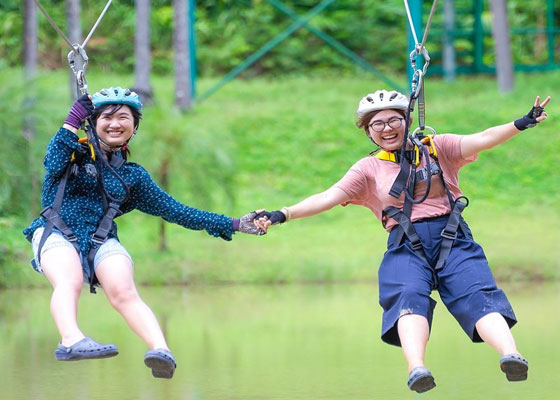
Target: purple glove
(81, 109)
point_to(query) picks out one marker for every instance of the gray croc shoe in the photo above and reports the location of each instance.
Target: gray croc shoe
(85, 349)
(420, 380)
(515, 367)
(161, 362)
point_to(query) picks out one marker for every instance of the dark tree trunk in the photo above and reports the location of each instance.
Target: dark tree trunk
(183, 95)
(74, 33)
(142, 52)
(502, 45)
(30, 67)
(163, 174)
(449, 62)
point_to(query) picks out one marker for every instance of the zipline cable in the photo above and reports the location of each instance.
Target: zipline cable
(428, 24)
(417, 86)
(97, 23)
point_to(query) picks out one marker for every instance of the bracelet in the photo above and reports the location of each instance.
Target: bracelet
(286, 212)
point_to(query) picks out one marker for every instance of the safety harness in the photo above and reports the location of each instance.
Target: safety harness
(409, 160)
(106, 225)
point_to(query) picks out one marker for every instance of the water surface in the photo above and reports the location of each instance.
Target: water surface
(270, 342)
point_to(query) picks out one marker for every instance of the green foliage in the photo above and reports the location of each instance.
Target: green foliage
(35, 104)
(196, 151)
(228, 31)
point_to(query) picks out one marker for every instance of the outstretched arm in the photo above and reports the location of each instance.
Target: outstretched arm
(312, 205)
(491, 137)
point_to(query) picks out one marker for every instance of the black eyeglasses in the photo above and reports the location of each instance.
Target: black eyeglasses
(379, 126)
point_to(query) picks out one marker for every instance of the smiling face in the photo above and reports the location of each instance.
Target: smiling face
(386, 128)
(115, 126)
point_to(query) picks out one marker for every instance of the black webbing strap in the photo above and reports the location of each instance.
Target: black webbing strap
(54, 220)
(400, 182)
(105, 227)
(449, 233)
(405, 225)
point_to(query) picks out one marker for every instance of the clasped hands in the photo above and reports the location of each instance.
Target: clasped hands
(257, 222)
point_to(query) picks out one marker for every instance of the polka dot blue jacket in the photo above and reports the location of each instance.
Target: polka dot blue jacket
(82, 205)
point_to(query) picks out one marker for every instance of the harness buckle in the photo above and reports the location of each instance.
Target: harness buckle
(448, 235)
(416, 245)
(97, 240)
(71, 237)
(422, 174)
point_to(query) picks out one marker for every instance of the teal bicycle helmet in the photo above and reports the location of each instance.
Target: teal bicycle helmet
(117, 95)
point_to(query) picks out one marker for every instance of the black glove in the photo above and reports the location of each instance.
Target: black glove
(529, 120)
(276, 217)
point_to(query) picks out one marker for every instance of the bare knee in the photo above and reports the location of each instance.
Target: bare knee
(63, 270)
(122, 296)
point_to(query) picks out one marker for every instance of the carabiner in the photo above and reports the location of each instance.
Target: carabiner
(80, 73)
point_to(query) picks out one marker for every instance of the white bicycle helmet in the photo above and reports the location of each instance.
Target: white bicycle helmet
(382, 100)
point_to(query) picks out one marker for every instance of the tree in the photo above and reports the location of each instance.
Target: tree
(449, 63)
(30, 66)
(183, 95)
(73, 12)
(142, 52)
(502, 45)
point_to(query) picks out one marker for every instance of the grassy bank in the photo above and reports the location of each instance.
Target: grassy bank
(281, 140)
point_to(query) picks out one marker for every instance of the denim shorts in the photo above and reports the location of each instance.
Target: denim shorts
(56, 239)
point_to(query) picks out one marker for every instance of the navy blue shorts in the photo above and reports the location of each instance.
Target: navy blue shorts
(466, 284)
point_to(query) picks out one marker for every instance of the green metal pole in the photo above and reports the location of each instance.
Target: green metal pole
(267, 47)
(550, 30)
(415, 7)
(192, 47)
(338, 46)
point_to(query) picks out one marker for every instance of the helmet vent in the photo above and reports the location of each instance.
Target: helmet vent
(382, 100)
(117, 95)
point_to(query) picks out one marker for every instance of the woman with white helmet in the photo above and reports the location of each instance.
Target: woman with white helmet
(86, 186)
(430, 247)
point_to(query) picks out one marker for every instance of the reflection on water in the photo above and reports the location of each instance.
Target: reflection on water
(269, 342)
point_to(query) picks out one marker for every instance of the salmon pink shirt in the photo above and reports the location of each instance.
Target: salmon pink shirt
(369, 180)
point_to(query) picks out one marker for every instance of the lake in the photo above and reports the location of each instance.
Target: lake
(270, 342)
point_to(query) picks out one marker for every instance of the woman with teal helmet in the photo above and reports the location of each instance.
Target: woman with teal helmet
(75, 239)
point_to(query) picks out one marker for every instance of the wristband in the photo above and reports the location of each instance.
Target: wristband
(286, 211)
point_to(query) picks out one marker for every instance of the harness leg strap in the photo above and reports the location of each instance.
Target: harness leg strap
(449, 233)
(406, 225)
(105, 227)
(54, 220)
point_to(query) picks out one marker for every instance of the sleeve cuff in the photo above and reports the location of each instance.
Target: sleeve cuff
(236, 222)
